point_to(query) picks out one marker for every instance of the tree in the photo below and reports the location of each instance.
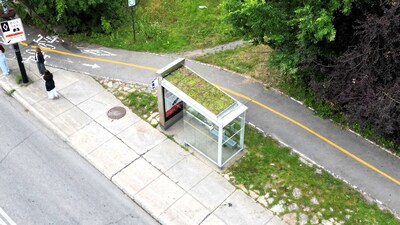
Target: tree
(364, 81)
(292, 28)
(77, 15)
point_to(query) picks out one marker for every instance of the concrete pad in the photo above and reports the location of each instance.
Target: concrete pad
(141, 137)
(99, 104)
(275, 221)
(212, 220)
(212, 190)
(186, 211)
(89, 138)
(240, 209)
(119, 125)
(135, 177)
(112, 156)
(81, 90)
(64, 78)
(188, 172)
(71, 120)
(52, 108)
(165, 155)
(159, 196)
(34, 92)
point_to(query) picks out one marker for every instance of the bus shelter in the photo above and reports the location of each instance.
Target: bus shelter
(213, 121)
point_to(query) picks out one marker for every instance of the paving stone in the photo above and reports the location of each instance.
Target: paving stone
(141, 137)
(159, 195)
(136, 176)
(240, 209)
(112, 156)
(186, 211)
(165, 155)
(188, 172)
(212, 190)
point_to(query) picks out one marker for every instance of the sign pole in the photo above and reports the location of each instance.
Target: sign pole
(131, 4)
(6, 14)
(133, 24)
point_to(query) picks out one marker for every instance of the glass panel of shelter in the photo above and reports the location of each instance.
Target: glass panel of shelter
(199, 133)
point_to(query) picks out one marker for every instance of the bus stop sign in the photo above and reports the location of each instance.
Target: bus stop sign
(13, 31)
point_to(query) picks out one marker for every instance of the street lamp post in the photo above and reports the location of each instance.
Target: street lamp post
(7, 14)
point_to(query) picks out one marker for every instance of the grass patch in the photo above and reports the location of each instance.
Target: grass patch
(168, 26)
(200, 90)
(271, 170)
(142, 103)
(250, 60)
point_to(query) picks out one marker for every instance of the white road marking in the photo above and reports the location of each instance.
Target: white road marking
(5, 216)
(94, 66)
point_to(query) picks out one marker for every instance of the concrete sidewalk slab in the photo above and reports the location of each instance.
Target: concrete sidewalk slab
(186, 210)
(212, 190)
(165, 155)
(159, 195)
(233, 213)
(71, 121)
(58, 107)
(118, 125)
(141, 137)
(112, 157)
(135, 177)
(213, 220)
(99, 104)
(64, 78)
(81, 90)
(188, 172)
(89, 138)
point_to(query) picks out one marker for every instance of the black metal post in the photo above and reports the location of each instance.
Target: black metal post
(7, 14)
(133, 23)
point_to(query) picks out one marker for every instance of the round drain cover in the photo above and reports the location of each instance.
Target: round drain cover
(116, 112)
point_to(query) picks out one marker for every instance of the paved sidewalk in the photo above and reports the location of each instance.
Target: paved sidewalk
(171, 184)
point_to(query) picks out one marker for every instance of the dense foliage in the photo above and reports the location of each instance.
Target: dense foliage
(364, 81)
(292, 28)
(76, 15)
(346, 51)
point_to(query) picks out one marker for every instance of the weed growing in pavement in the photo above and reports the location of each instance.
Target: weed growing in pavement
(10, 92)
(275, 172)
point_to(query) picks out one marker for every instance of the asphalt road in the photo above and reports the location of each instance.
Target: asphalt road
(353, 159)
(44, 181)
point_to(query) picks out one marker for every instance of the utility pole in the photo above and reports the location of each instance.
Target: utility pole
(7, 14)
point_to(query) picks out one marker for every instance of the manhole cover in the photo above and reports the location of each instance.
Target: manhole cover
(116, 112)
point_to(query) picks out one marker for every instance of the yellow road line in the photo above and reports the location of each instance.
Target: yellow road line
(94, 58)
(244, 97)
(312, 132)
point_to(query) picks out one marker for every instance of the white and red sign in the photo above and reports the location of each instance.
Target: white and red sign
(13, 31)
